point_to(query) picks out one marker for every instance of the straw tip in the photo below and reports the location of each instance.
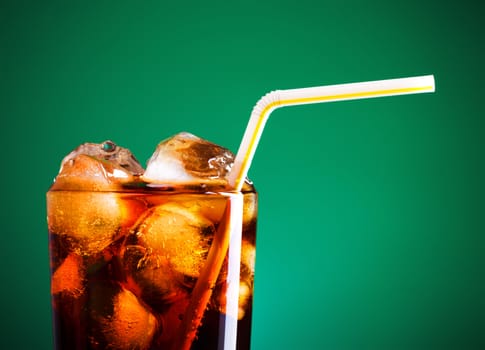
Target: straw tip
(432, 82)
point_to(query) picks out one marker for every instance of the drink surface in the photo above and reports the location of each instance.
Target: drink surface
(126, 254)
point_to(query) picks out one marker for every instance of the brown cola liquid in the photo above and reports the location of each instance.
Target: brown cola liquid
(124, 265)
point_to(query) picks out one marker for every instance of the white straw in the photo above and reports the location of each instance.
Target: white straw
(341, 92)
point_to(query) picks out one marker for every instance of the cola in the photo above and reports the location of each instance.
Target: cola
(155, 259)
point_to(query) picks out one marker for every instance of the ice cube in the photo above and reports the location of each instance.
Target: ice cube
(248, 259)
(95, 167)
(89, 221)
(185, 158)
(80, 206)
(245, 294)
(69, 277)
(180, 234)
(210, 206)
(118, 320)
(166, 251)
(250, 209)
(150, 277)
(218, 300)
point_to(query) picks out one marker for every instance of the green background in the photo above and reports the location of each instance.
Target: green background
(371, 222)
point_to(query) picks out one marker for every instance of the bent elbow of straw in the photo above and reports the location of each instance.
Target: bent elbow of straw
(341, 92)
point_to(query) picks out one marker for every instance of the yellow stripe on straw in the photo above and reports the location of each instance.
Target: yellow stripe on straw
(314, 95)
(355, 95)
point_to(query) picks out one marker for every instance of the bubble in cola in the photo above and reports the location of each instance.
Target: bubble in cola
(127, 246)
